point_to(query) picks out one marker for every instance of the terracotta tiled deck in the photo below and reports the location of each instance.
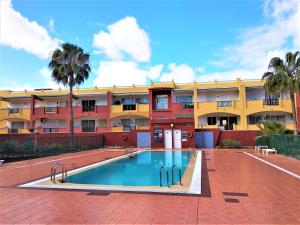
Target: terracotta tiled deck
(237, 189)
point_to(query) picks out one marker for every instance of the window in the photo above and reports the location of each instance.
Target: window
(211, 120)
(142, 100)
(255, 119)
(88, 125)
(280, 118)
(158, 135)
(142, 122)
(13, 110)
(129, 107)
(63, 104)
(128, 101)
(15, 126)
(102, 123)
(88, 105)
(184, 99)
(224, 103)
(161, 102)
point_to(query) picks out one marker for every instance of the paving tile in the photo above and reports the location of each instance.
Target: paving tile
(265, 195)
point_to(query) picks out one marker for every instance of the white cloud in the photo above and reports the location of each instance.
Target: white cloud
(45, 75)
(250, 56)
(124, 36)
(124, 73)
(200, 69)
(51, 25)
(179, 73)
(20, 33)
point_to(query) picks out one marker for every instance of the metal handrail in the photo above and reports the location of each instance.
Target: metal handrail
(64, 171)
(160, 176)
(179, 174)
(194, 153)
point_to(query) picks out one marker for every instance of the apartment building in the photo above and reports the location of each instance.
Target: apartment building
(161, 114)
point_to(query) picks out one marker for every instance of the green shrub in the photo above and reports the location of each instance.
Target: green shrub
(10, 146)
(230, 143)
(28, 146)
(56, 147)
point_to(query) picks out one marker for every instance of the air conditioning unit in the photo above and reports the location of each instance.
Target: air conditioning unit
(43, 120)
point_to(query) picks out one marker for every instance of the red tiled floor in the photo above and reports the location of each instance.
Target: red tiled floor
(273, 196)
(287, 163)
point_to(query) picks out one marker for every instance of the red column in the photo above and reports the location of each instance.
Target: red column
(32, 103)
(108, 99)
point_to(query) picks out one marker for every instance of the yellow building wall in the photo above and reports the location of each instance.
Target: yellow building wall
(241, 107)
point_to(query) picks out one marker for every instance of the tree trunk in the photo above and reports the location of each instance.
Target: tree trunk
(292, 96)
(71, 116)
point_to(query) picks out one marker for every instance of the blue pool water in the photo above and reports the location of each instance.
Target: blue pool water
(141, 170)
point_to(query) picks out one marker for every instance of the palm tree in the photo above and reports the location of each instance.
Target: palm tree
(70, 66)
(284, 76)
(272, 127)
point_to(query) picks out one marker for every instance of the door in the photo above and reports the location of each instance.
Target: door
(204, 139)
(143, 139)
(168, 138)
(177, 138)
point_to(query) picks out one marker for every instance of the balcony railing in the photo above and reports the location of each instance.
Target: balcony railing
(13, 130)
(187, 105)
(50, 130)
(129, 107)
(224, 103)
(13, 110)
(50, 109)
(88, 129)
(271, 101)
(88, 108)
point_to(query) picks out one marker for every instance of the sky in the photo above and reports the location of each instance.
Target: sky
(134, 42)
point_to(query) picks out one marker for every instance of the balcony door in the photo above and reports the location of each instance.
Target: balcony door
(88, 125)
(162, 102)
(88, 105)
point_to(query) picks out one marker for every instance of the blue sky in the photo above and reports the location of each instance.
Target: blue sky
(133, 42)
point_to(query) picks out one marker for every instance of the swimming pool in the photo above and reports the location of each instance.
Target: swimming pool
(145, 171)
(148, 168)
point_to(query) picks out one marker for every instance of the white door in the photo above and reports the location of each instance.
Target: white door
(168, 139)
(177, 138)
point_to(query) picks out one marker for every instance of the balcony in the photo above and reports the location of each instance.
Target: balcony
(100, 111)
(117, 129)
(229, 106)
(13, 110)
(139, 127)
(50, 112)
(264, 105)
(55, 130)
(15, 113)
(51, 109)
(224, 104)
(17, 131)
(130, 109)
(254, 126)
(270, 101)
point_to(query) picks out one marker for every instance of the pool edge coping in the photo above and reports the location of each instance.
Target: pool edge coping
(194, 188)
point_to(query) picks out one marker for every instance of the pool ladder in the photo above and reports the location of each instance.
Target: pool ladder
(128, 152)
(163, 169)
(64, 172)
(193, 153)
